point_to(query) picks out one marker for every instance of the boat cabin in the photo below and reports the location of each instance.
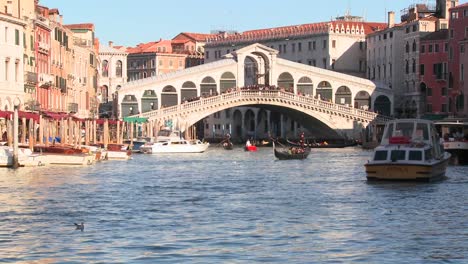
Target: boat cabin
(409, 140)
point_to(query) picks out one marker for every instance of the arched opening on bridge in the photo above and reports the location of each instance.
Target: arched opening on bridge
(305, 86)
(382, 105)
(249, 124)
(263, 68)
(343, 96)
(286, 81)
(324, 91)
(362, 100)
(129, 105)
(250, 71)
(228, 81)
(149, 101)
(168, 96)
(262, 124)
(188, 91)
(237, 124)
(208, 87)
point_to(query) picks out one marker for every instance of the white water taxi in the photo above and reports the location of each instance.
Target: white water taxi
(169, 141)
(410, 150)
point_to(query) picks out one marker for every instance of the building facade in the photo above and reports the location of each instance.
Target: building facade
(433, 71)
(112, 75)
(11, 60)
(458, 33)
(337, 45)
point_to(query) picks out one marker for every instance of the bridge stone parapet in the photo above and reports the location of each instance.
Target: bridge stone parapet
(333, 115)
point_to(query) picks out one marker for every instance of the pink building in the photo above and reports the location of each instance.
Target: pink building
(433, 71)
(458, 33)
(45, 79)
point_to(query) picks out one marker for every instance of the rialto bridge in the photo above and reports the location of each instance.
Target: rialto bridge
(252, 91)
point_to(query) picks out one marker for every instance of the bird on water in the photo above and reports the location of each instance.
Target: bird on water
(80, 226)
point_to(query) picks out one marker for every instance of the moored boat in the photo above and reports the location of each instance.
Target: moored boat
(290, 153)
(409, 150)
(169, 141)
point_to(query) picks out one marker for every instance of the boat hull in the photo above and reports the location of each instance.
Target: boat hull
(250, 148)
(459, 151)
(285, 155)
(412, 172)
(187, 148)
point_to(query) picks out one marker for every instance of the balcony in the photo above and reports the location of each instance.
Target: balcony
(30, 78)
(44, 47)
(73, 107)
(45, 80)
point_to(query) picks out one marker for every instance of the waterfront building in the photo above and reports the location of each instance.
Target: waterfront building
(464, 77)
(337, 45)
(84, 72)
(43, 62)
(192, 44)
(433, 72)
(458, 33)
(112, 75)
(11, 58)
(385, 53)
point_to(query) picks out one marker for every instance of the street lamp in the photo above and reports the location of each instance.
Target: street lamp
(152, 105)
(131, 110)
(16, 103)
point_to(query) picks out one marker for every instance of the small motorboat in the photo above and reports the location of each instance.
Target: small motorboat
(291, 153)
(169, 141)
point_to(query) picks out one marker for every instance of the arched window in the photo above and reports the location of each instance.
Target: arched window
(407, 67)
(118, 68)
(414, 65)
(407, 47)
(414, 45)
(105, 68)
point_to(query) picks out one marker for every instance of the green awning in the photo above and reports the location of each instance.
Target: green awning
(135, 119)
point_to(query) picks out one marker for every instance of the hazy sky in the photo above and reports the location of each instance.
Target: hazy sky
(131, 22)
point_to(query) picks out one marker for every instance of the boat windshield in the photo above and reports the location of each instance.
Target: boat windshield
(404, 129)
(381, 155)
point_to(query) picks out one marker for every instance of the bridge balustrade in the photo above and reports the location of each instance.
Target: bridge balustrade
(261, 96)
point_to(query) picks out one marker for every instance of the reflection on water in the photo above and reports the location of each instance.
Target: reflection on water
(230, 206)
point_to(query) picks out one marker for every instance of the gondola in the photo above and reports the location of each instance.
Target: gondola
(227, 145)
(290, 154)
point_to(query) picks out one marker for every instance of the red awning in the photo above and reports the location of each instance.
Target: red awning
(21, 114)
(29, 115)
(6, 114)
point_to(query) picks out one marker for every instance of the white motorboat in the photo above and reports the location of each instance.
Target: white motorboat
(410, 150)
(25, 157)
(169, 141)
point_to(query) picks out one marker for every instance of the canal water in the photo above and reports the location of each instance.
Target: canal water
(230, 207)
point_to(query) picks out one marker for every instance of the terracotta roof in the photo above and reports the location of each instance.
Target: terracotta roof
(202, 37)
(54, 11)
(150, 47)
(89, 26)
(297, 30)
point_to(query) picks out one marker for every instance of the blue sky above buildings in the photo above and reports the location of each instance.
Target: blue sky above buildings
(131, 22)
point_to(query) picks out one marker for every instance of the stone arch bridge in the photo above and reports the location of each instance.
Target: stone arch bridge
(331, 101)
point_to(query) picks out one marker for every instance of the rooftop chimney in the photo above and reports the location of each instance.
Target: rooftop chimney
(111, 44)
(391, 19)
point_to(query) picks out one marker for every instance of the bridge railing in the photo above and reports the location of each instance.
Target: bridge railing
(255, 94)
